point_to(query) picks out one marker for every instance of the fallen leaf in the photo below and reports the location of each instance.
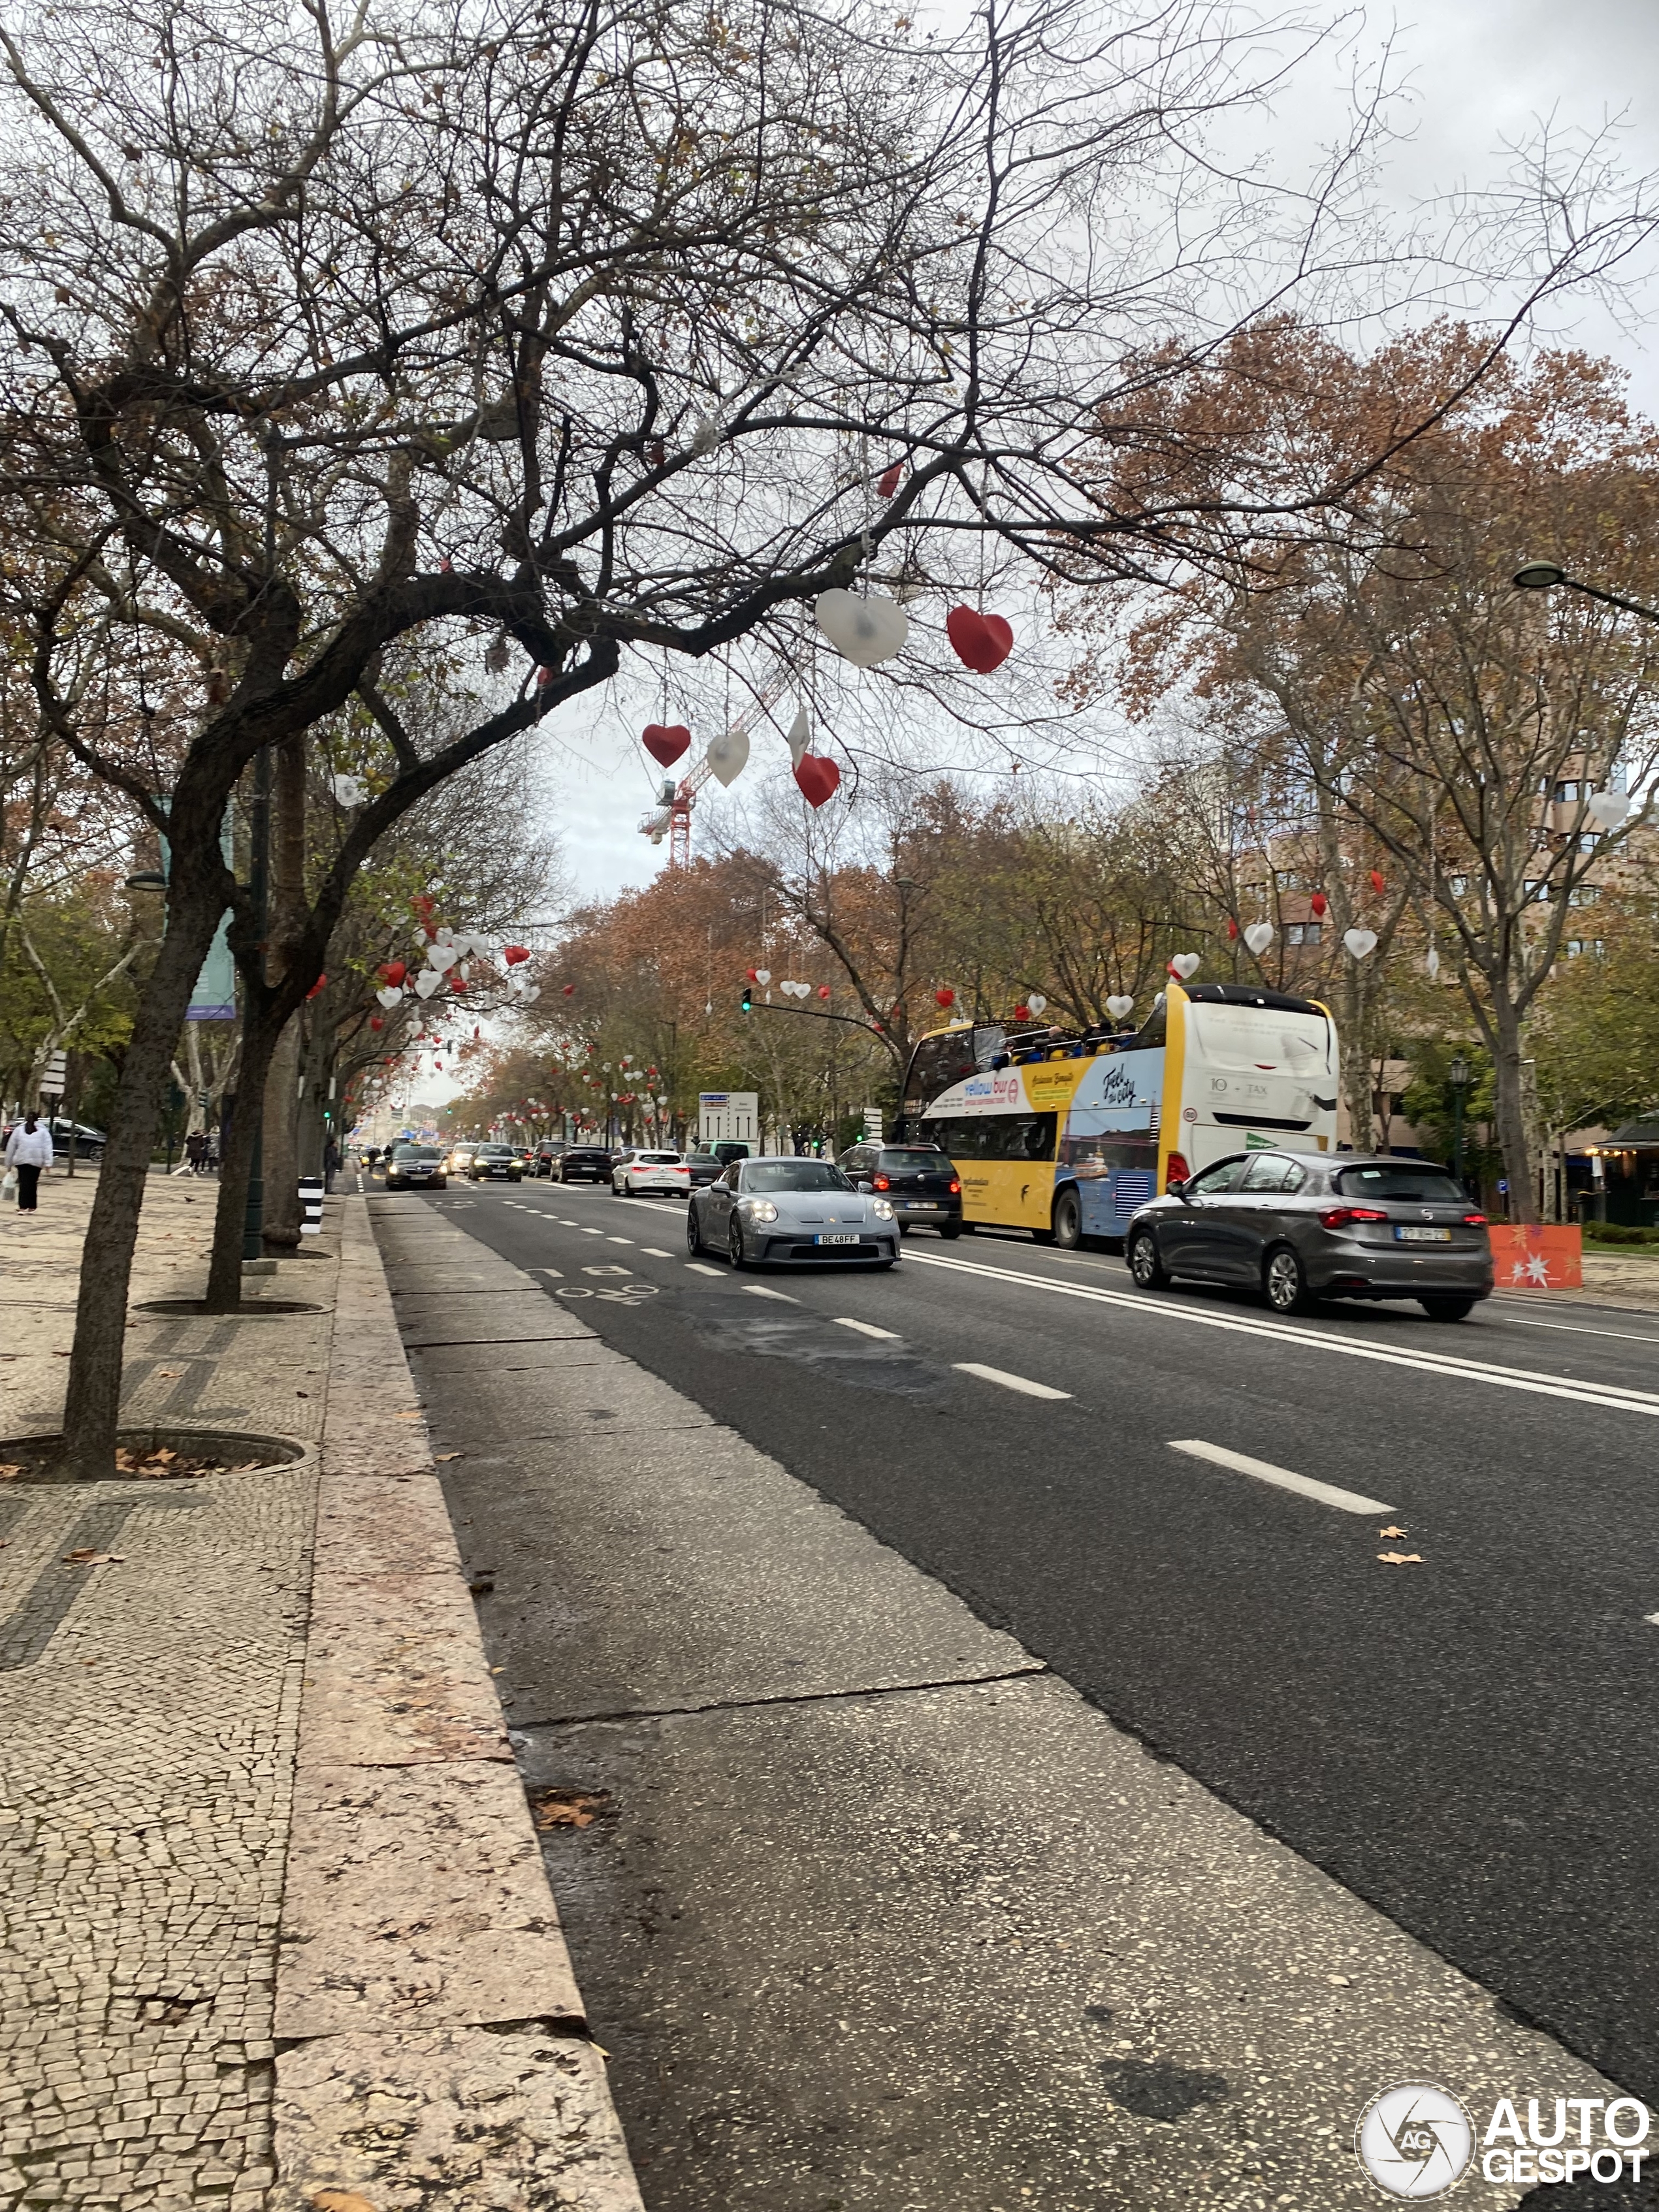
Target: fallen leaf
(341, 2200)
(569, 1808)
(1401, 1558)
(7, 1472)
(449, 1454)
(302, 1394)
(86, 1558)
(168, 1374)
(407, 1417)
(1393, 1532)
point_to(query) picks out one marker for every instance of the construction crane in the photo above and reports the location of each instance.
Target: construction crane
(671, 817)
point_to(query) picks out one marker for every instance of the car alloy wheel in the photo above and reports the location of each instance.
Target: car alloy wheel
(1145, 1264)
(693, 1234)
(1284, 1281)
(734, 1245)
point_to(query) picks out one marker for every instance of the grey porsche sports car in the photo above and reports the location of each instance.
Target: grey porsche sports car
(787, 1209)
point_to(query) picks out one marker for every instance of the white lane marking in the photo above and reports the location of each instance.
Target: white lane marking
(1652, 1620)
(1612, 1395)
(619, 1240)
(866, 1328)
(697, 1268)
(759, 1290)
(1578, 1328)
(563, 1223)
(1009, 1382)
(593, 1232)
(559, 1272)
(1282, 1478)
(650, 1252)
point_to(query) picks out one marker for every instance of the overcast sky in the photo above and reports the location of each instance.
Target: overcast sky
(1481, 72)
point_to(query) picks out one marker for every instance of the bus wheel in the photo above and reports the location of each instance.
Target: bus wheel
(1068, 1221)
(1146, 1263)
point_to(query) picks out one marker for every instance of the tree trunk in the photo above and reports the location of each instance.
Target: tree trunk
(287, 895)
(224, 1289)
(1514, 1137)
(93, 1398)
(281, 1152)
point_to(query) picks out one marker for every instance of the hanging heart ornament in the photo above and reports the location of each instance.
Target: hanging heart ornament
(1432, 964)
(389, 997)
(728, 756)
(428, 982)
(799, 736)
(1359, 942)
(763, 977)
(666, 741)
(442, 955)
(1259, 936)
(819, 779)
(1607, 810)
(1120, 1004)
(981, 643)
(1036, 1002)
(1185, 964)
(864, 631)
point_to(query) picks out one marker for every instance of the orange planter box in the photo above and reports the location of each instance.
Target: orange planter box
(1547, 1259)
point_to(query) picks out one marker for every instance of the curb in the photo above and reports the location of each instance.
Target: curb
(432, 2047)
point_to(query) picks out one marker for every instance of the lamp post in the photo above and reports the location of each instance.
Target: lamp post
(1547, 575)
(1458, 1076)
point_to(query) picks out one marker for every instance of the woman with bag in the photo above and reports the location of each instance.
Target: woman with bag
(28, 1149)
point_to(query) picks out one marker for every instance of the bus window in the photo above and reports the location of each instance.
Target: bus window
(996, 1137)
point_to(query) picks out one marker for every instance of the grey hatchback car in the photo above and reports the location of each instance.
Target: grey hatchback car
(1299, 1227)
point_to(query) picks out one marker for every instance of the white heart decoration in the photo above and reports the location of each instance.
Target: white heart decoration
(1359, 942)
(390, 998)
(705, 434)
(762, 975)
(799, 736)
(864, 631)
(728, 756)
(1036, 1002)
(531, 991)
(1259, 936)
(445, 936)
(1186, 964)
(1432, 964)
(1118, 1006)
(428, 982)
(350, 791)
(1607, 809)
(442, 955)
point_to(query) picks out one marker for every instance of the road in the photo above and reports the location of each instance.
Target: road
(1465, 1740)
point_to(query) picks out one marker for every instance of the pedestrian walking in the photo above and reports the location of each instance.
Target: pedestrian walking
(330, 1165)
(28, 1149)
(196, 1146)
(211, 1157)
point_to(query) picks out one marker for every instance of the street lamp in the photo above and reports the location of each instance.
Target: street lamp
(1458, 1076)
(1545, 575)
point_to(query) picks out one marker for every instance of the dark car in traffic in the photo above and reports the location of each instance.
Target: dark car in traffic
(704, 1167)
(1299, 1227)
(918, 1180)
(412, 1166)
(548, 1154)
(496, 1163)
(585, 1163)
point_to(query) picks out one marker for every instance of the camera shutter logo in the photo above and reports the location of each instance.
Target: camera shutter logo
(1415, 2140)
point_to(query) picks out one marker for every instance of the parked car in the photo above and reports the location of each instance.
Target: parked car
(88, 1143)
(790, 1209)
(548, 1154)
(409, 1166)
(585, 1163)
(703, 1167)
(495, 1163)
(1297, 1227)
(918, 1180)
(659, 1172)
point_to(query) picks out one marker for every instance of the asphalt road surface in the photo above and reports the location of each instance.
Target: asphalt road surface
(1466, 1740)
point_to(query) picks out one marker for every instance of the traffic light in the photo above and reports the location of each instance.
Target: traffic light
(746, 1004)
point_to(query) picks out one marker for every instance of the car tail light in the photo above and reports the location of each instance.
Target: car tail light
(1178, 1170)
(1339, 1216)
(881, 1183)
(1474, 1220)
(955, 1188)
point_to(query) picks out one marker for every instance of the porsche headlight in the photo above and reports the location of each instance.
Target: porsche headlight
(760, 1209)
(881, 1209)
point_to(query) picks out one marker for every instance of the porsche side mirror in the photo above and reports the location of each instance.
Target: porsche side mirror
(866, 1186)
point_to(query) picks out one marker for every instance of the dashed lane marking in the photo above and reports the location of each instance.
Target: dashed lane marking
(1023, 1383)
(866, 1328)
(696, 1267)
(1282, 1478)
(650, 1252)
(759, 1290)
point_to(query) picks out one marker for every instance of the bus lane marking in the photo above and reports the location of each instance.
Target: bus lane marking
(759, 1290)
(868, 1329)
(1614, 1396)
(1026, 1388)
(1282, 1478)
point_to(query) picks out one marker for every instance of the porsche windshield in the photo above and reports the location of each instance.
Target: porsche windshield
(793, 1174)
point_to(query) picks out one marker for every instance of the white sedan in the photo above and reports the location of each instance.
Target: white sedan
(655, 1171)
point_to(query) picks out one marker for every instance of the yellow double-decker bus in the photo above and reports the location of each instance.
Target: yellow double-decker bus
(1066, 1133)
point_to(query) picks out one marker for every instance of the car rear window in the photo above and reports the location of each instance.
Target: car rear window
(1402, 1179)
(658, 1160)
(908, 1162)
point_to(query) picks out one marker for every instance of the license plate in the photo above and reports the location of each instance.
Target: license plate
(1423, 1236)
(921, 1206)
(835, 1240)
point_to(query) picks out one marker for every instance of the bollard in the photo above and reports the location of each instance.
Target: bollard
(311, 1206)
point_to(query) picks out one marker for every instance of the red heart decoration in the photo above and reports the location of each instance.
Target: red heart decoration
(317, 987)
(1378, 883)
(944, 997)
(1320, 903)
(981, 643)
(568, 988)
(513, 953)
(375, 1023)
(1232, 926)
(823, 990)
(391, 974)
(1022, 1013)
(819, 779)
(891, 479)
(457, 982)
(666, 741)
